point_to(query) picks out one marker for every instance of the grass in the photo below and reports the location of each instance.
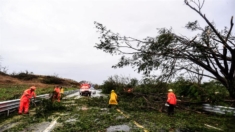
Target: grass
(153, 120)
(8, 92)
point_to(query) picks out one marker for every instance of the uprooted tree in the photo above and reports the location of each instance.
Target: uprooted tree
(211, 50)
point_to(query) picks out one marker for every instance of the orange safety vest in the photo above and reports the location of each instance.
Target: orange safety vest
(171, 98)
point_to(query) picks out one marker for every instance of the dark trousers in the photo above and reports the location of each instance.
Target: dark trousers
(61, 96)
(170, 110)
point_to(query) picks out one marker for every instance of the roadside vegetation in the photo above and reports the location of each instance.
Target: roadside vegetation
(144, 105)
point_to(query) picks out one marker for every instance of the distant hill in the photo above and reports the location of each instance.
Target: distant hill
(12, 86)
(38, 80)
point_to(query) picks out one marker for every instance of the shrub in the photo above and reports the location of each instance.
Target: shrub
(52, 80)
(24, 76)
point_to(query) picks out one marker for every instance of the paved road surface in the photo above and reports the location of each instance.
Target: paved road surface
(77, 94)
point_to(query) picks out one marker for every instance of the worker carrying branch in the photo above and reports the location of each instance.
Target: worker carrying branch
(25, 100)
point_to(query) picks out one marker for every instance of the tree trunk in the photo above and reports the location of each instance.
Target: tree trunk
(231, 90)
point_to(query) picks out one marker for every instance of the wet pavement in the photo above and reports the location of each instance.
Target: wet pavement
(38, 127)
(77, 95)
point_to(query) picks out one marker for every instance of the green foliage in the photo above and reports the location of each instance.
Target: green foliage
(52, 80)
(24, 75)
(133, 83)
(97, 117)
(118, 83)
(46, 107)
(215, 92)
(11, 92)
(101, 102)
(108, 86)
(192, 25)
(212, 92)
(186, 88)
(151, 86)
(8, 92)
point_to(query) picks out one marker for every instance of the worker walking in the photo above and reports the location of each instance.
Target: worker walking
(56, 94)
(113, 99)
(171, 100)
(25, 100)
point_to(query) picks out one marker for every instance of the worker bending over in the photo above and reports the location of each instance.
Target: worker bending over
(56, 94)
(25, 100)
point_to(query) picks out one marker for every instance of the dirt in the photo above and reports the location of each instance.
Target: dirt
(9, 80)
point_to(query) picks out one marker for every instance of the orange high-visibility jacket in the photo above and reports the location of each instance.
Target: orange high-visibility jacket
(171, 98)
(57, 90)
(28, 94)
(58, 95)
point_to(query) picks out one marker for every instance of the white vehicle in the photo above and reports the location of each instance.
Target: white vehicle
(85, 89)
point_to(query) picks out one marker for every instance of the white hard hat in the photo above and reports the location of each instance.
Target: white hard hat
(170, 90)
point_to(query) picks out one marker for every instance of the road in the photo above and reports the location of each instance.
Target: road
(77, 95)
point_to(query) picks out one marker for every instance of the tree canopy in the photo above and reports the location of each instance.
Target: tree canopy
(211, 50)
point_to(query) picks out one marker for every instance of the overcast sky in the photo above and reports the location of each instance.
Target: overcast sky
(57, 37)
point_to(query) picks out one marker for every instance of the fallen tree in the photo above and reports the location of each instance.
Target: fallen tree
(211, 50)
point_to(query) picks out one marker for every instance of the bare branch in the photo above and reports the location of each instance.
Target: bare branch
(231, 42)
(230, 30)
(209, 23)
(200, 74)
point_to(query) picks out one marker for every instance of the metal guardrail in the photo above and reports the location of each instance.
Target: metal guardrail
(219, 109)
(12, 105)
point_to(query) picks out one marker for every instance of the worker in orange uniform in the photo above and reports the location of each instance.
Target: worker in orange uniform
(56, 94)
(25, 100)
(113, 99)
(61, 92)
(171, 100)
